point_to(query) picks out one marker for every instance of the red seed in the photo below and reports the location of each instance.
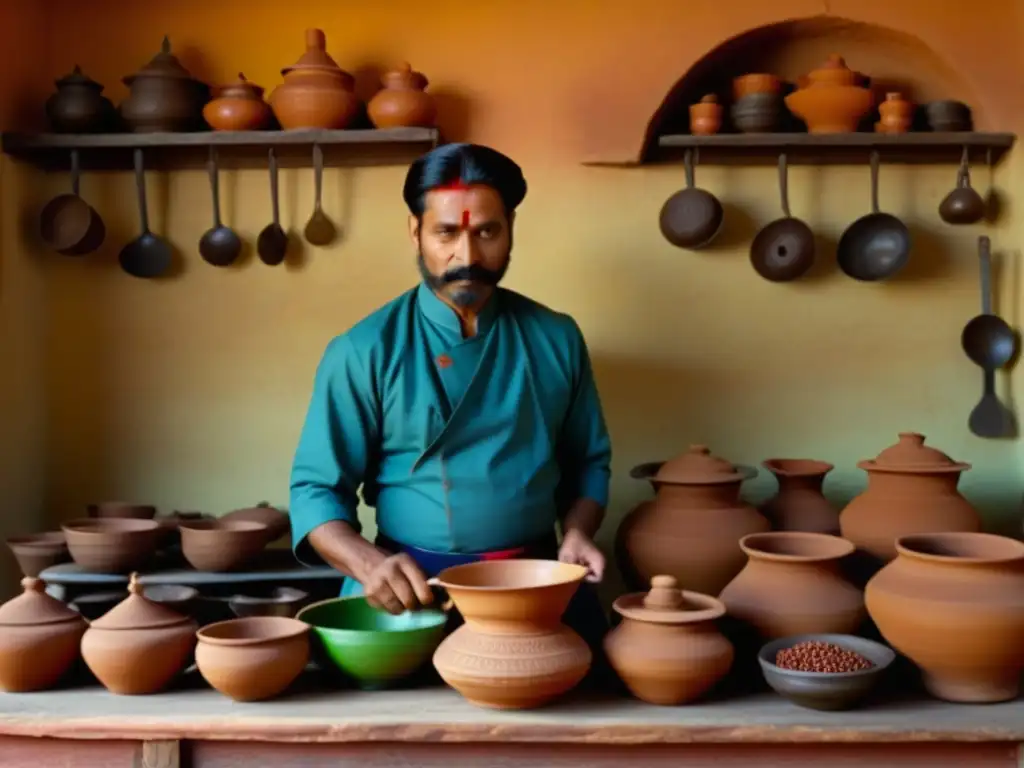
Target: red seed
(817, 656)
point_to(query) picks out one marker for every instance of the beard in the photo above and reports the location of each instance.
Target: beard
(477, 280)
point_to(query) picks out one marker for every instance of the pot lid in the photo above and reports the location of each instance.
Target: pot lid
(833, 72)
(404, 76)
(240, 88)
(910, 454)
(34, 607)
(138, 612)
(316, 55)
(164, 64)
(698, 467)
(77, 77)
(666, 603)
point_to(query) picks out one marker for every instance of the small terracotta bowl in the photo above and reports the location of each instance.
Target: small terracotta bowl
(221, 545)
(39, 551)
(255, 658)
(112, 545)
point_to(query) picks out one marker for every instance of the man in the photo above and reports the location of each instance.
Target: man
(467, 412)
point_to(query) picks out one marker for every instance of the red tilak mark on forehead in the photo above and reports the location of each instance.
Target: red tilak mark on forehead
(465, 219)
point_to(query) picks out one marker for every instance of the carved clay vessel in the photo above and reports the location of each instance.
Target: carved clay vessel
(139, 646)
(164, 96)
(403, 102)
(706, 116)
(668, 649)
(953, 603)
(792, 585)
(79, 105)
(691, 530)
(831, 102)
(799, 504)
(316, 92)
(39, 638)
(912, 488)
(513, 652)
(239, 106)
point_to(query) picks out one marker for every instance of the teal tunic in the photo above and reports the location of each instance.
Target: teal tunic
(461, 445)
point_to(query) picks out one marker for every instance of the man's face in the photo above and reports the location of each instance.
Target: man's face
(464, 242)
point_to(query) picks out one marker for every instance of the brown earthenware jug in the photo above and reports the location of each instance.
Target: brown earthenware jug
(668, 649)
(912, 488)
(792, 584)
(403, 102)
(39, 638)
(691, 530)
(953, 603)
(316, 92)
(79, 105)
(239, 106)
(799, 504)
(139, 646)
(164, 96)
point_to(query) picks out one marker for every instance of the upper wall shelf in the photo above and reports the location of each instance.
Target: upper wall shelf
(237, 149)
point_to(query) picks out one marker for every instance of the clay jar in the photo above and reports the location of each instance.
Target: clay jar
(792, 585)
(239, 106)
(912, 488)
(39, 638)
(831, 102)
(513, 652)
(799, 504)
(316, 92)
(953, 603)
(706, 116)
(668, 649)
(896, 114)
(79, 105)
(164, 96)
(691, 530)
(403, 102)
(139, 646)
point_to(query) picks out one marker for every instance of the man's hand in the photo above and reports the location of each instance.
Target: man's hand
(579, 549)
(396, 584)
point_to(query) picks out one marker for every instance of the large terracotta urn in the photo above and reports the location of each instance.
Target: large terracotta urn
(799, 504)
(912, 488)
(692, 528)
(953, 603)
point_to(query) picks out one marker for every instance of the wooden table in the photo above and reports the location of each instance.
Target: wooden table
(194, 727)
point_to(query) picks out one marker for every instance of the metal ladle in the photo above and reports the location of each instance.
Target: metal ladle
(320, 229)
(220, 245)
(147, 255)
(272, 242)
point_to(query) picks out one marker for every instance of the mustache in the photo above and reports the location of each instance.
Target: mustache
(473, 273)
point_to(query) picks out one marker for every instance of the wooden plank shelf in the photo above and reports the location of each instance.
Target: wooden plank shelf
(236, 149)
(834, 149)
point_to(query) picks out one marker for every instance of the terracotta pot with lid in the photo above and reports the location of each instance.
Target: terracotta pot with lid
(404, 101)
(668, 649)
(139, 646)
(831, 100)
(79, 105)
(39, 638)
(316, 92)
(164, 96)
(238, 106)
(691, 530)
(912, 488)
(799, 504)
(953, 603)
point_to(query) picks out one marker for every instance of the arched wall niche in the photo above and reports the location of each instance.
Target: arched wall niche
(894, 60)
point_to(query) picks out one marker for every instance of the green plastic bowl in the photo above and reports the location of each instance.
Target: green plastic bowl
(371, 646)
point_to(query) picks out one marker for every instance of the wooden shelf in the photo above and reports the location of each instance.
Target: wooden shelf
(236, 149)
(833, 149)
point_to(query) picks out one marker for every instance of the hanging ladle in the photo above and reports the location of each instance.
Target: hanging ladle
(220, 245)
(990, 343)
(272, 243)
(319, 229)
(148, 255)
(784, 249)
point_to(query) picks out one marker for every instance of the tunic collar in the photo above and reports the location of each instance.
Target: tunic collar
(439, 313)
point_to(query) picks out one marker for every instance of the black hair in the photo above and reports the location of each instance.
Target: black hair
(468, 164)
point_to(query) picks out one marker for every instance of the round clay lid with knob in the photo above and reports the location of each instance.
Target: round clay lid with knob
(316, 56)
(833, 72)
(698, 467)
(137, 612)
(164, 64)
(77, 77)
(404, 76)
(666, 603)
(34, 607)
(910, 455)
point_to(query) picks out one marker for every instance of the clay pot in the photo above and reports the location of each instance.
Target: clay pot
(239, 106)
(278, 523)
(79, 105)
(706, 116)
(139, 646)
(952, 603)
(513, 652)
(164, 96)
(799, 504)
(792, 585)
(831, 102)
(912, 488)
(757, 113)
(691, 530)
(122, 510)
(39, 551)
(403, 102)
(668, 649)
(316, 92)
(253, 659)
(221, 545)
(39, 638)
(746, 85)
(112, 545)
(896, 114)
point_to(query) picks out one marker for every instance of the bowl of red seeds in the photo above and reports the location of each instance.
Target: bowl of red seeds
(826, 672)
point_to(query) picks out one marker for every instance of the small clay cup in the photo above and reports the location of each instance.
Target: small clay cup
(112, 545)
(37, 552)
(221, 545)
